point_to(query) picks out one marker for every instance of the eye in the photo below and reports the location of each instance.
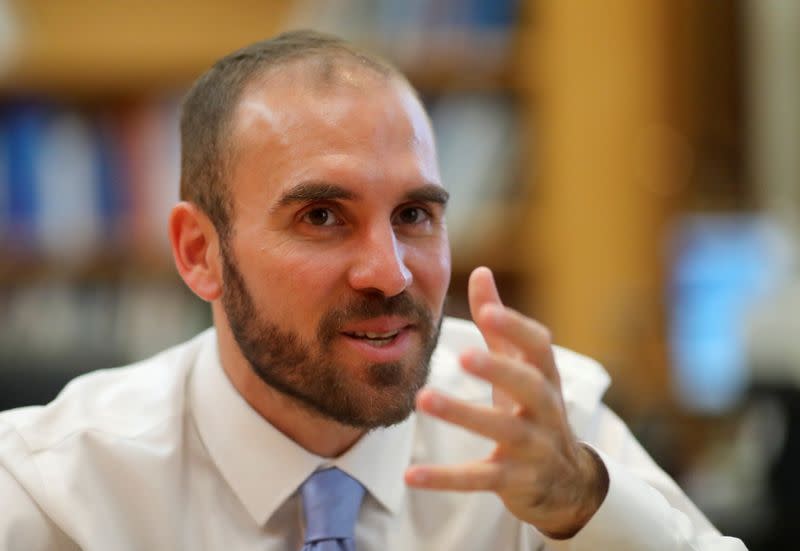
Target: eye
(321, 217)
(412, 215)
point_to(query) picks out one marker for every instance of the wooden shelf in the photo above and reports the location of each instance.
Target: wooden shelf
(95, 48)
(104, 266)
(87, 47)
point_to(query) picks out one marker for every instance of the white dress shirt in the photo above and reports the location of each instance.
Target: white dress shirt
(165, 455)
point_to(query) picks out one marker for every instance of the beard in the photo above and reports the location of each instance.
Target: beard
(309, 372)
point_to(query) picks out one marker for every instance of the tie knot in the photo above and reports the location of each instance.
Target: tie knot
(331, 500)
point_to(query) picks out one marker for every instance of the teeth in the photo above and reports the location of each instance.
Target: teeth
(369, 335)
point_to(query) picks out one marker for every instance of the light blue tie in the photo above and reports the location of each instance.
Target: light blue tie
(331, 500)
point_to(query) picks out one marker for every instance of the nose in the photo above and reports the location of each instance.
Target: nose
(379, 264)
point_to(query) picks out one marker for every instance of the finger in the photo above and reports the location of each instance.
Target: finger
(490, 422)
(467, 477)
(527, 387)
(482, 291)
(532, 339)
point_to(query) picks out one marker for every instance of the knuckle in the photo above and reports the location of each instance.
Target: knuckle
(552, 395)
(536, 383)
(541, 333)
(544, 341)
(545, 335)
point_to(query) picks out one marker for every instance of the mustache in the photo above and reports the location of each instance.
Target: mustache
(372, 306)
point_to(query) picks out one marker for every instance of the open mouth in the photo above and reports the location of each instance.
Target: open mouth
(375, 339)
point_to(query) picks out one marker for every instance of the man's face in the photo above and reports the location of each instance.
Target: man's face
(338, 263)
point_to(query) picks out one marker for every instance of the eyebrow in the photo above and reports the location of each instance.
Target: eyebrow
(429, 193)
(308, 192)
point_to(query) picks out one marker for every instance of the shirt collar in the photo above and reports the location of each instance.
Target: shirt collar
(263, 466)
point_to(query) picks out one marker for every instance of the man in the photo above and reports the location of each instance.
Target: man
(313, 223)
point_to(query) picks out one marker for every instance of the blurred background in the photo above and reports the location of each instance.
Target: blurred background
(629, 168)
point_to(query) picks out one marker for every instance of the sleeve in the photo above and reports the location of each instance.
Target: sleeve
(23, 526)
(644, 508)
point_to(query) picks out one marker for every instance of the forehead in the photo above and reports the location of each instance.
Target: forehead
(293, 120)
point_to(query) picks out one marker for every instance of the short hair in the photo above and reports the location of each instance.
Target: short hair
(209, 106)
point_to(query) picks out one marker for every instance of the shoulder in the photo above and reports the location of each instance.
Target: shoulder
(121, 402)
(110, 433)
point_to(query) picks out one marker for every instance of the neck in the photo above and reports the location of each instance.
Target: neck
(317, 434)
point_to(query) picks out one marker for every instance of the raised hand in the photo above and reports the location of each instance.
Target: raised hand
(544, 476)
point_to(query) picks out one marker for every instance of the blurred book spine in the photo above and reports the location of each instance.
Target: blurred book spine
(85, 192)
(77, 182)
(24, 125)
(461, 34)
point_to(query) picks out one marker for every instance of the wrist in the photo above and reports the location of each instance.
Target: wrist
(588, 499)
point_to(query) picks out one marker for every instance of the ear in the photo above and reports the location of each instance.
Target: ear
(195, 248)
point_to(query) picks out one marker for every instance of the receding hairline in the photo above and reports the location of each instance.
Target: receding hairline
(279, 76)
(323, 71)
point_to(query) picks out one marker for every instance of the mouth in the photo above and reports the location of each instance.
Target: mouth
(380, 339)
(374, 339)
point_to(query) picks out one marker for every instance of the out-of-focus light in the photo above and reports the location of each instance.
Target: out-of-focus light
(723, 264)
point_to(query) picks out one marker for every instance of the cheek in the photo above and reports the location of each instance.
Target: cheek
(431, 270)
(292, 287)
(291, 266)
